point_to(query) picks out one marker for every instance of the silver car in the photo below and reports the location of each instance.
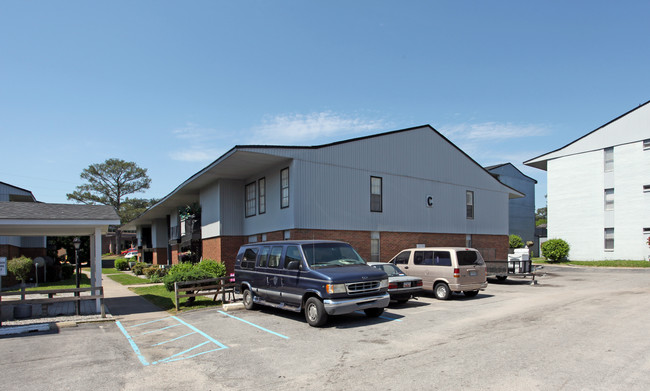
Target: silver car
(400, 286)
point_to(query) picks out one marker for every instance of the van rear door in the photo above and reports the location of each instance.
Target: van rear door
(471, 267)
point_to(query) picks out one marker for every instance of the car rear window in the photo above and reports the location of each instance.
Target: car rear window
(469, 258)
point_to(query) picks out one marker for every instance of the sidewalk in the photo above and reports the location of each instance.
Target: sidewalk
(124, 304)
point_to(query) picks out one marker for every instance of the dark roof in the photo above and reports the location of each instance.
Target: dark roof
(490, 168)
(40, 211)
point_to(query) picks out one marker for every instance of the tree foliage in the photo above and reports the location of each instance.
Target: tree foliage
(541, 216)
(109, 183)
(515, 241)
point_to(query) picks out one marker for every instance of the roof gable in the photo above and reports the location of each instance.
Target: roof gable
(630, 127)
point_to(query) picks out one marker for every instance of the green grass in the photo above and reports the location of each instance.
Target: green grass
(617, 263)
(63, 284)
(105, 270)
(161, 297)
(127, 279)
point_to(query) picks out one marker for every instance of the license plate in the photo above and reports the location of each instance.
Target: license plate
(407, 284)
(472, 273)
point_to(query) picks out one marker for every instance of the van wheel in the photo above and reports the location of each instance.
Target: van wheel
(248, 299)
(315, 312)
(373, 312)
(441, 291)
(470, 293)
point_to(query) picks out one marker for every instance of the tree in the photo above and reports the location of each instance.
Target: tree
(540, 216)
(109, 183)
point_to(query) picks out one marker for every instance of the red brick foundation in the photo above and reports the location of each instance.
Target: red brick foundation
(223, 249)
(159, 256)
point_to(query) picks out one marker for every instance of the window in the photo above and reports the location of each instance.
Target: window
(646, 231)
(609, 159)
(646, 188)
(609, 199)
(250, 199)
(646, 145)
(609, 238)
(423, 258)
(375, 194)
(284, 188)
(469, 202)
(374, 247)
(402, 258)
(248, 260)
(261, 191)
(293, 254)
(442, 258)
(468, 240)
(264, 255)
(274, 259)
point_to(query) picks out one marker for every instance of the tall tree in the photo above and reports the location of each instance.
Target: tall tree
(109, 183)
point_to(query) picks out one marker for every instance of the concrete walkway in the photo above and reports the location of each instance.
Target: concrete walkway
(124, 304)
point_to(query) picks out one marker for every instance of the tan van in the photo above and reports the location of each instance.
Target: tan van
(445, 269)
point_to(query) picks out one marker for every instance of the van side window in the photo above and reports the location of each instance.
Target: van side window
(248, 260)
(442, 258)
(402, 258)
(293, 254)
(264, 256)
(274, 259)
(423, 258)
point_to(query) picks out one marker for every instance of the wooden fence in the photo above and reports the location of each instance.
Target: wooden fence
(208, 287)
(94, 293)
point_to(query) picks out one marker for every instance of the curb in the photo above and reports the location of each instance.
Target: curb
(233, 306)
(29, 328)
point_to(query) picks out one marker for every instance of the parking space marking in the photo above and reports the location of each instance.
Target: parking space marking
(254, 325)
(381, 316)
(176, 356)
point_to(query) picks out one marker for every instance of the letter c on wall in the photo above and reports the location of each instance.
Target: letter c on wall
(429, 201)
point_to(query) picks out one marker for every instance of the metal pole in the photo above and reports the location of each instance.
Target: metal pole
(78, 302)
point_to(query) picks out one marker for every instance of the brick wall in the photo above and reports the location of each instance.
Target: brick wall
(159, 256)
(174, 254)
(223, 249)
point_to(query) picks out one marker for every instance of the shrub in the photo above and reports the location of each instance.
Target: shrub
(184, 272)
(555, 249)
(20, 267)
(67, 271)
(217, 269)
(138, 268)
(515, 241)
(121, 264)
(149, 271)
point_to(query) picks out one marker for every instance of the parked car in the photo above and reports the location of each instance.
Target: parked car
(131, 254)
(400, 286)
(321, 278)
(445, 269)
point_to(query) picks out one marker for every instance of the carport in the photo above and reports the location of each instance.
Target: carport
(41, 219)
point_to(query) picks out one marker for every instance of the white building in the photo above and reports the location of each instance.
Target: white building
(599, 190)
(381, 193)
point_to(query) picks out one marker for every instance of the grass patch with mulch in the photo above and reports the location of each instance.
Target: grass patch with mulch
(161, 297)
(128, 279)
(616, 263)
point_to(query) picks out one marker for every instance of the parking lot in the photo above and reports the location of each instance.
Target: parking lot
(577, 328)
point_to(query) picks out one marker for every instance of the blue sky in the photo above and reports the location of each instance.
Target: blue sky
(172, 85)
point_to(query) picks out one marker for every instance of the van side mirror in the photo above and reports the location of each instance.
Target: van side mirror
(293, 265)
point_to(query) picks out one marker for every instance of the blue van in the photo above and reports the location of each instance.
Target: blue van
(320, 277)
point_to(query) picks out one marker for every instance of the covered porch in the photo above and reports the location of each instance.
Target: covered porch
(41, 219)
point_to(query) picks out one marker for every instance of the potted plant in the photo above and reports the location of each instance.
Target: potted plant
(21, 267)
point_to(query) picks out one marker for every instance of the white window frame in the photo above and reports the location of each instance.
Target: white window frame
(376, 194)
(608, 159)
(284, 188)
(261, 195)
(609, 199)
(609, 239)
(250, 192)
(469, 204)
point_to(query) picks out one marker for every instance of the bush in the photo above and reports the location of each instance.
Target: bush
(121, 264)
(138, 268)
(67, 271)
(149, 271)
(184, 272)
(515, 241)
(216, 269)
(555, 249)
(20, 267)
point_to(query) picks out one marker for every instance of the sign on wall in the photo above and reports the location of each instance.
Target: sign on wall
(429, 201)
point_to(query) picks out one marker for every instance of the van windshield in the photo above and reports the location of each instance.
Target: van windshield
(469, 258)
(331, 255)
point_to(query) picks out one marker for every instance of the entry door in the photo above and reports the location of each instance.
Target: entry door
(273, 279)
(291, 294)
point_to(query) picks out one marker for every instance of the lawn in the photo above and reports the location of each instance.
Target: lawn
(161, 297)
(127, 279)
(616, 263)
(63, 284)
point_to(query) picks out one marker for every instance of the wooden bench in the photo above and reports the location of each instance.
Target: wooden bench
(208, 287)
